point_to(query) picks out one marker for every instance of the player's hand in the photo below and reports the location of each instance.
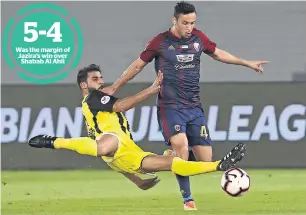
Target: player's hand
(156, 84)
(110, 90)
(257, 65)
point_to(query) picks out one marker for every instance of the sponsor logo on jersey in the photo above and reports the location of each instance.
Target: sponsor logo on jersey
(171, 47)
(184, 66)
(185, 58)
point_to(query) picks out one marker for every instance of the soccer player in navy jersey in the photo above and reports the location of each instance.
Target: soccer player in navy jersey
(177, 53)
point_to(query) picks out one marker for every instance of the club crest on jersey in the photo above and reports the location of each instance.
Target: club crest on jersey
(185, 58)
(196, 46)
(105, 99)
(177, 127)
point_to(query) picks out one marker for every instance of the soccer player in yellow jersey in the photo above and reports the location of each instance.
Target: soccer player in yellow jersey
(110, 137)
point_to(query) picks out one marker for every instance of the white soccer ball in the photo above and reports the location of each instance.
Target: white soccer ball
(235, 182)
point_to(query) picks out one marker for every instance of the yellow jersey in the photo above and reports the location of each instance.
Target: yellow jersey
(97, 108)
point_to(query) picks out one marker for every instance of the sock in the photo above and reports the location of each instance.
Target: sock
(189, 168)
(187, 199)
(82, 145)
(184, 187)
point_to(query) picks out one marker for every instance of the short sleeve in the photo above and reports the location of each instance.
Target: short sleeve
(99, 101)
(209, 46)
(152, 49)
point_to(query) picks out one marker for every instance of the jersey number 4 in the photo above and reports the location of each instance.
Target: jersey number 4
(204, 131)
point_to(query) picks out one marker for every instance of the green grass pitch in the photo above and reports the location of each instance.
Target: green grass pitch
(279, 192)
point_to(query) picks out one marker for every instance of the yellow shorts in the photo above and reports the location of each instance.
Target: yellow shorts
(128, 157)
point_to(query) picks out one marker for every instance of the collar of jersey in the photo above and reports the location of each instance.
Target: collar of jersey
(170, 34)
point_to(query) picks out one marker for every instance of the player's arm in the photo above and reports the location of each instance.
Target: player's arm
(143, 184)
(100, 101)
(209, 48)
(131, 101)
(136, 67)
(225, 57)
(146, 56)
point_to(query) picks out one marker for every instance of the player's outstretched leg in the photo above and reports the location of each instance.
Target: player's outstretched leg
(170, 152)
(233, 157)
(189, 168)
(82, 145)
(42, 141)
(87, 146)
(237, 153)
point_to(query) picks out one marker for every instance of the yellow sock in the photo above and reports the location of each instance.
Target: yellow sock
(189, 168)
(82, 145)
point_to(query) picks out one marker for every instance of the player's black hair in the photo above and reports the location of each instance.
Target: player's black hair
(183, 7)
(83, 73)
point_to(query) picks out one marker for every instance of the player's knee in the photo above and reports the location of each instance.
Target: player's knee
(179, 144)
(107, 145)
(182, 152)
(102, 151)
(203, 153)
(207, 159)
(105, 150)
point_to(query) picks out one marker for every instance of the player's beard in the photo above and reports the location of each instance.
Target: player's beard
(101, 87)
(90, 89)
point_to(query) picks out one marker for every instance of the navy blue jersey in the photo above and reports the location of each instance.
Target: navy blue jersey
(179, 60)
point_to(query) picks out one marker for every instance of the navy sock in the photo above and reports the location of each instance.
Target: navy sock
(191, 156)
(184, 187)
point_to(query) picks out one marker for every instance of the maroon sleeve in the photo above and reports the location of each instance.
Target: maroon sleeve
(209, 46)
(152, 49)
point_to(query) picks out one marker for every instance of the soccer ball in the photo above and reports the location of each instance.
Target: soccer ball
(235, 182)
